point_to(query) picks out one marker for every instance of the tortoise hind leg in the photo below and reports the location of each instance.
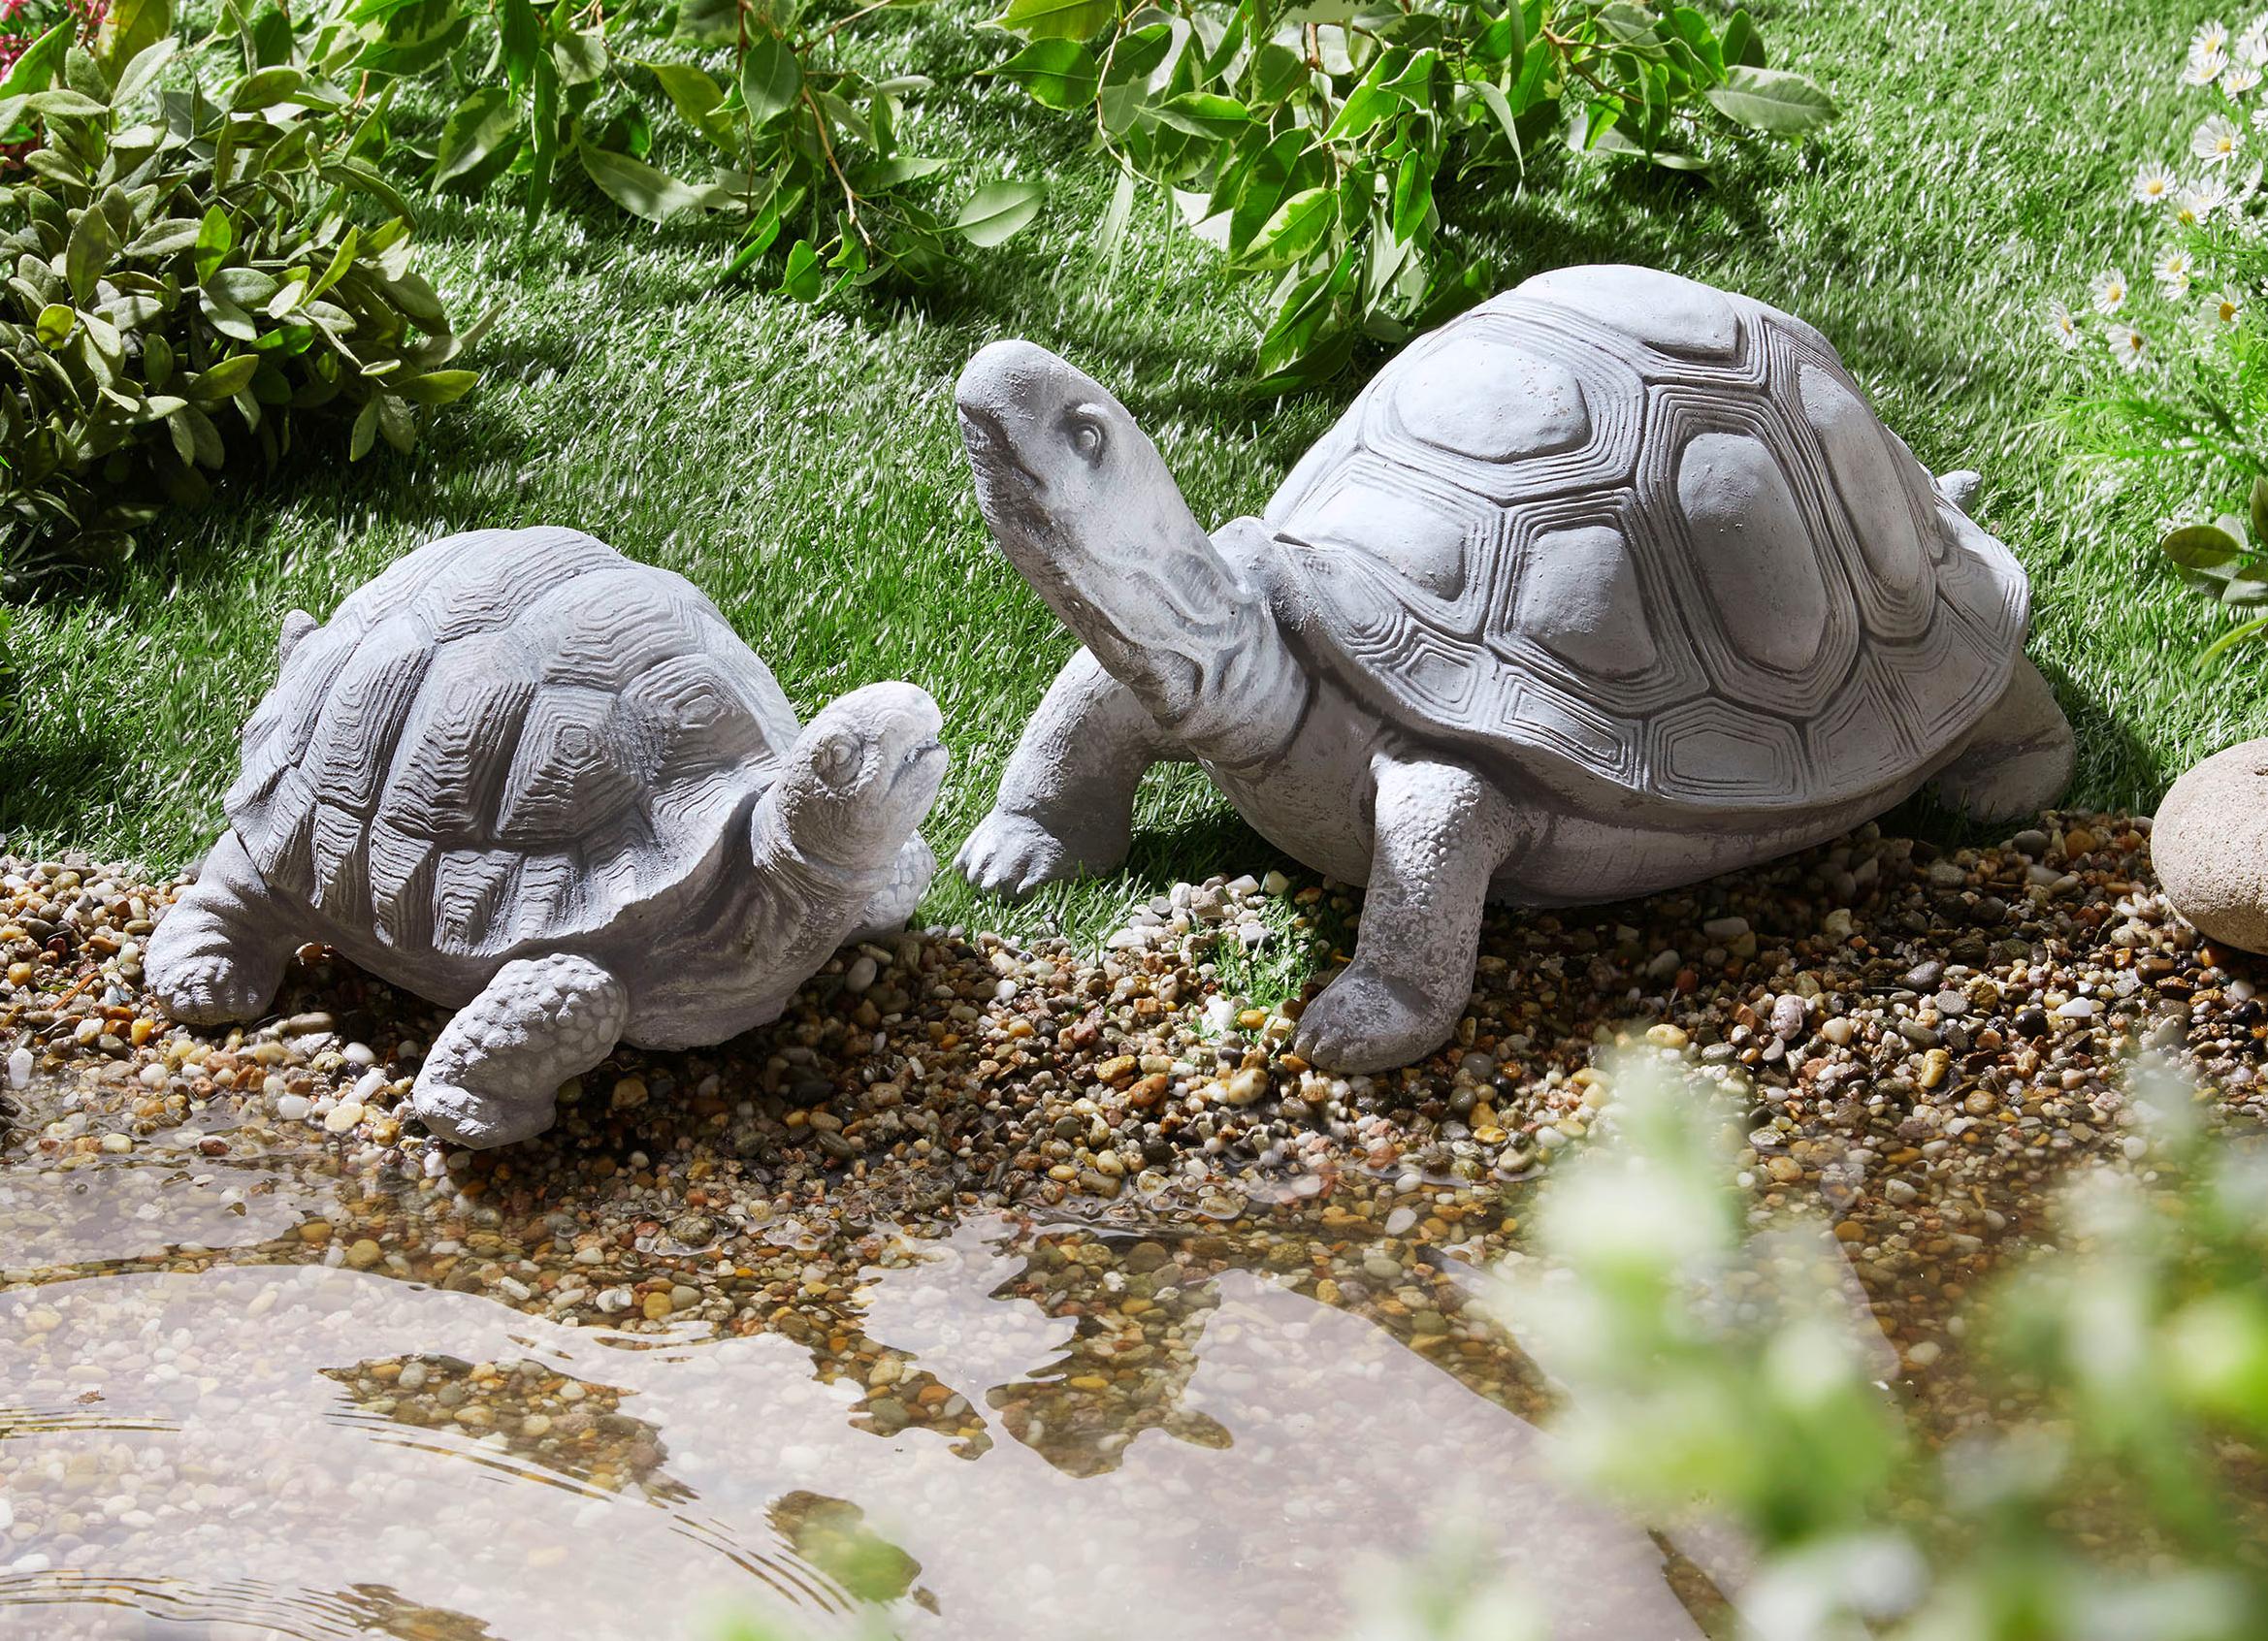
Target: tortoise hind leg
(2018, 761)
(220, 954)
(494, 1070)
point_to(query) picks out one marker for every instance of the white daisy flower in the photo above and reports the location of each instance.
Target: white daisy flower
(2215, 140)
(2251, 46)
(2128, 344)
(2154, 183)
(2222, 307)
(2062, 326)
(2109, 292)
(2173, 268)
(2200, 202)
(2238, 78)
(2261, 119)
(2208, 53)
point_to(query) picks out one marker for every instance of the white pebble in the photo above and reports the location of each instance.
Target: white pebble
(2078, 1009)
(343, 1116)
(293, 1108)
(19, 1069)
(1401, 1220)
(860, 975)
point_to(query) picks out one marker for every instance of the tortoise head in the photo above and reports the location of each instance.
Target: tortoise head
(862, 777)
(1085, 508)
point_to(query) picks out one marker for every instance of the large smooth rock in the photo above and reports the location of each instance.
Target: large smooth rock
(2211, 846)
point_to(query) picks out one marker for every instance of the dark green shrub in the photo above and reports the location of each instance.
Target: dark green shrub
(192, 272)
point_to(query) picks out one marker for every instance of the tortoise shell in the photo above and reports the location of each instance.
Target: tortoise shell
(1632, 529)
(508, 739)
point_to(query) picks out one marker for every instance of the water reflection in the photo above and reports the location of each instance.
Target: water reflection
(1003, 1430)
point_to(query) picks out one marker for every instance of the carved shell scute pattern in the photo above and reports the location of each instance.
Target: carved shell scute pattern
(1648, 533)
(507, 738)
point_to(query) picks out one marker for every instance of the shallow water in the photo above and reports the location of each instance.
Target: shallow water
(199, 1441)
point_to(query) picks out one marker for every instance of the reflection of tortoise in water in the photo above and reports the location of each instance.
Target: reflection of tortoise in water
(521, 773)
(1612, 583)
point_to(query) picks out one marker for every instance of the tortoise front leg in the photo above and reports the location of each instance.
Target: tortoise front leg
(495, 1071)
(1066, 805)
(220, 954)
(1442, 833)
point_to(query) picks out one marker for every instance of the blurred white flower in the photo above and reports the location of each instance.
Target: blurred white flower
(2215, 140)
(2238, 78)
(2222, 307)
(2128, 344)
(2200, 202)
(2154, 183)
(2109, 290)
(2174, 270)
(2062, 326)
(2208, 53)
(2252, 45)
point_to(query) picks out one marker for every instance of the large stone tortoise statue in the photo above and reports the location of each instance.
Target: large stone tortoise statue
(1613, 583)
(521, 774)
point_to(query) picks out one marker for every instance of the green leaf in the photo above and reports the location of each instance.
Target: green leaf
(2256, 627)
(1110, 229)
(1771, 100)
(1503, 40)
(2207, 549)
(1741, 43)
(216, 237)
(264, 88)
(475, 130)
(435, 387)
(35, 69)
(771, 79)
(366, 430)
(1061, 73)
(1413, 193)
(999, 212)
(1297, 228)
(55, 325)
(2259, 509)
(636, 186)
(1056, 20)
(131, 30)
(1204, 114)
(580, 58)
(543, 149)
(224, 380)
(699, 101)
(88, 253)
(1370, 101)
(803, 280)
(143, 69)
(65, 105)
(520, 41)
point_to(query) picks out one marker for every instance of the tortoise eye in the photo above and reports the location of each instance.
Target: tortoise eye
(1086, 436)
(836, 760)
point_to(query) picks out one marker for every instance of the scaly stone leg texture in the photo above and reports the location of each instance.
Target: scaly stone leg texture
(220, 954)
(1443, 832)
(895, 902)
(1066, 805)
(494, 1074)
(2020, 759)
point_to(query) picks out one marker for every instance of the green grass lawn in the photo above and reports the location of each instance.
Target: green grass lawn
(803, 468)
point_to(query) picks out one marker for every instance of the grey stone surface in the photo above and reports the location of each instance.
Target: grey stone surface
(2211, 846)
(522, 775)
(1614, 582)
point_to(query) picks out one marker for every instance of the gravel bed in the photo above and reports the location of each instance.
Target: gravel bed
(1917, 1040)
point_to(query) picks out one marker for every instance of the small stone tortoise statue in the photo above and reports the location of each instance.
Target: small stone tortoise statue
(1614, 582)
(524, 775)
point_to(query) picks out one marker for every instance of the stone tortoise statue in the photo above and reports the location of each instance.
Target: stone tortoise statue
(1613, 583)
(521, 774)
